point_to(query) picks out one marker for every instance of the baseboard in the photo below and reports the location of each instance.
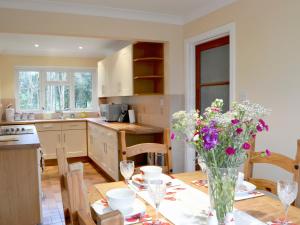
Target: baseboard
(53, 162)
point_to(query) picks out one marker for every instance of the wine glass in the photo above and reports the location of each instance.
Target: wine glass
(157, 190)
(127, 169)
(201, 163)
(287, 193)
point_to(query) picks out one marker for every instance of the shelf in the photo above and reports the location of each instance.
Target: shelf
(145, 94)
(148, 77)
(148, 59)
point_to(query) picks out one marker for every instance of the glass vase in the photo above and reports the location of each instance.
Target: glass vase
(221, 187)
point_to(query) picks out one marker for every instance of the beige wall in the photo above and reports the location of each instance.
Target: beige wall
(267, 63)
(18, 21)
(9, 62)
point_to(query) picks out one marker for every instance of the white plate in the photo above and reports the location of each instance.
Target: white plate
(138, 179)
(138, 207)
(245, 188)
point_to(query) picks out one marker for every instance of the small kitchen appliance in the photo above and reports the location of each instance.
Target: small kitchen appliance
(110, 112)
(124, 117)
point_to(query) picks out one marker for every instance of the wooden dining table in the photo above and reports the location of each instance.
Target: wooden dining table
(264, 208)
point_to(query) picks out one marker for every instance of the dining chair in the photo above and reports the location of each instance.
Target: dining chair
(63, 168)
(165, 149)
(80, 211)
(276, 159)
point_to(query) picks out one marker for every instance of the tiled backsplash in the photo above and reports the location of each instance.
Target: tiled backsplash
(152, 110)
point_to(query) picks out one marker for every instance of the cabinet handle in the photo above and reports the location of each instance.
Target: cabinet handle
(91, 138)
(58, 137)
(64, 138)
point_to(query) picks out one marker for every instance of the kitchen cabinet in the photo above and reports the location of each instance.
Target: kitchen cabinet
(74, 142)
(50, 141)
(103, 149)
(115, 74)
(68, 135)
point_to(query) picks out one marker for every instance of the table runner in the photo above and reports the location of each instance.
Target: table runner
(184, 205)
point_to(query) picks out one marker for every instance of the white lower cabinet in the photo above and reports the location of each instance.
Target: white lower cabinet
(68, 135)
(50, 140)
(74, 142)
(103, 149)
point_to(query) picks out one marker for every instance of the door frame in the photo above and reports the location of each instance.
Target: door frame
(190, 70)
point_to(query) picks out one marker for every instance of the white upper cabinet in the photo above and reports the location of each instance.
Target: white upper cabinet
(115, 74)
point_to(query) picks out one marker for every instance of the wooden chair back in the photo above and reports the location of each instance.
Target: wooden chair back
(77, 195)
(63, 169)
(276, 159)
(137, 149)
(79, 205)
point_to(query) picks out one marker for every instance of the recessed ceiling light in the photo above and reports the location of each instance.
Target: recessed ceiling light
(80, 47)
(36, 45)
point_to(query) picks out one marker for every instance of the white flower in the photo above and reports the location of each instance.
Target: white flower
(196, 138)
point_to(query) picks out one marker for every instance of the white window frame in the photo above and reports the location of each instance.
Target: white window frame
(70, 81)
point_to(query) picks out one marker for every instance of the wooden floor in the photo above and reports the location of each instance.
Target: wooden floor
(52, 204)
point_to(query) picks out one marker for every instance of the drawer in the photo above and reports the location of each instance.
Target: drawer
(48, 126)
(74, 126)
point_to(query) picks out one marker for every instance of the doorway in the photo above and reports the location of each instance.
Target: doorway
(190, 71)
(212, 73)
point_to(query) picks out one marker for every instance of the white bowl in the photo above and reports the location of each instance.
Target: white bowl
(151, 172)
(121, 199)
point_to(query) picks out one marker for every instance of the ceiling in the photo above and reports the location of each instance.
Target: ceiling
(23, 44)
(165, 11)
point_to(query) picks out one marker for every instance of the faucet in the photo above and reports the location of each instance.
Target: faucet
(60, 114)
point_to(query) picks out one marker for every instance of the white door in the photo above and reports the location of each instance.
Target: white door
(50, 140)
(74, 142)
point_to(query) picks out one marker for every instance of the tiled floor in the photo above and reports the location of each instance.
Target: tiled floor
(52, 204)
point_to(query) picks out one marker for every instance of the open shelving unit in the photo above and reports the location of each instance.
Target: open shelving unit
(148, 68)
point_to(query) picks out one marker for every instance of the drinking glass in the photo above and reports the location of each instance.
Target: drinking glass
(127, 169)
(287, 193)
(157, 191)
(202, 164)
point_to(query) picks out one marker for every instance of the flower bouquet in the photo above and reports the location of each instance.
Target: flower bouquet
(222, 141)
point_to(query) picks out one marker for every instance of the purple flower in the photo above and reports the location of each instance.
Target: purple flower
(172, 136)
(267, 127)
(268, 152)
(246, 146)
(235, 121)
(210, 136)
(262, 122)
(230, 151)
(259, 128)
(239, 130)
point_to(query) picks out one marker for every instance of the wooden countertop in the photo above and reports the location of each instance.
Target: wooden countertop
(128, 127)
(116, 126)
(24, 141)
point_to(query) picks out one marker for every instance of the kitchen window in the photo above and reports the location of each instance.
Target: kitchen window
(55, 89)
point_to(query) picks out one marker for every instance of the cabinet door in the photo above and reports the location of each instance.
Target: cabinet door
(123, 72)
(111, 154)
(50, 140)
(115, 74)
(100, 153)
(101, 79)
(75, 142)
(91, 153)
